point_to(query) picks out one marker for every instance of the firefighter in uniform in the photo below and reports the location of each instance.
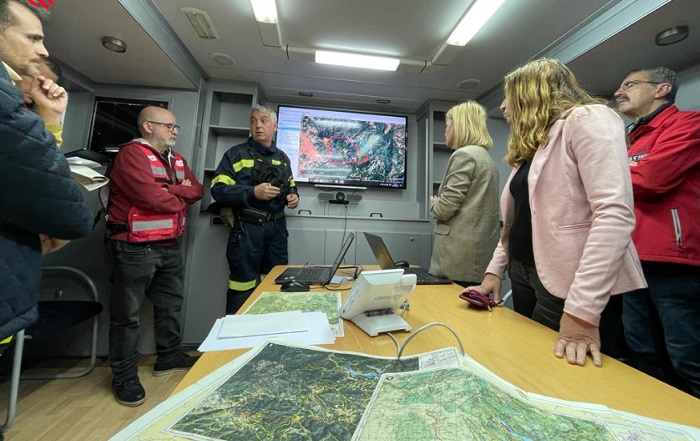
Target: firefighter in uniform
(150, 188)
(254, 180)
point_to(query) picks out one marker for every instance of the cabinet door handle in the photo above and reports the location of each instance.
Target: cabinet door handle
(304, 211)
(377, 215)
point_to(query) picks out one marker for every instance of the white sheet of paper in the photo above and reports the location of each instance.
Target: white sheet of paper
(75, 160)
(319, 333)
(262, 324)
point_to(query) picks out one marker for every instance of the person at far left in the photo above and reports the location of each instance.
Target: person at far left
(41, 205)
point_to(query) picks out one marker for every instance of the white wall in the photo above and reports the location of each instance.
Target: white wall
(688, 97)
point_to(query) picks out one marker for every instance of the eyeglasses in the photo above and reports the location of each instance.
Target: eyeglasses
(169, 127)
(630, 84)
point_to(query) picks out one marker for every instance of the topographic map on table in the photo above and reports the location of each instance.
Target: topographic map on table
(327, 302)
(456, 404)
(279, 391)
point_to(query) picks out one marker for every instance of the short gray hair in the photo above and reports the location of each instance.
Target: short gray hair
(662, 75)
(264, 109)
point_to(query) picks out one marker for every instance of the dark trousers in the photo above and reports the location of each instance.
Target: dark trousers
(662, 324)
(141, 271)
(252, 251)
(531, 299)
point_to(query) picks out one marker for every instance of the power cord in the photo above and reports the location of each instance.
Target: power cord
(400, 348)
(335, 286)
(358, 269)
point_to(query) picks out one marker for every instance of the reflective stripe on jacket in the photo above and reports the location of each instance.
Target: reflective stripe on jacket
(151, 226)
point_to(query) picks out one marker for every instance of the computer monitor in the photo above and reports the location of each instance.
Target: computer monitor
(373, 299)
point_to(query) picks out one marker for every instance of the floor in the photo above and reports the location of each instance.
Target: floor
(82, 409)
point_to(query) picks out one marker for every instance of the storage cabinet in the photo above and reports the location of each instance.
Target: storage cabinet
(321, 247)
(416, 248)
(306, 245)
(431, 131)
(207, 282)
(441, 153)
(226, 123)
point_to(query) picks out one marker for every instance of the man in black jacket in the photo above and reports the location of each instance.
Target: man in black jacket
(41, 206)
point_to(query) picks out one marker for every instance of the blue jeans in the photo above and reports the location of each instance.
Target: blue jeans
(140, 271)
(662, 324)
(531, 299)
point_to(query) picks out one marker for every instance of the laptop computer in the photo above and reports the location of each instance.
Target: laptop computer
(316, 275)
(381, 253)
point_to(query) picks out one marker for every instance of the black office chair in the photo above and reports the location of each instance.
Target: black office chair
(72, 301)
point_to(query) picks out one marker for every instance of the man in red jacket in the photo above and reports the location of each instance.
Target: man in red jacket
(150, 188)
(662, 323)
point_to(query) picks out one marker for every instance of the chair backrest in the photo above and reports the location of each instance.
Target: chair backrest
(69, 297)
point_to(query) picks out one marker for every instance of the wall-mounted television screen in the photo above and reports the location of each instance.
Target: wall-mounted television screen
(342, 148)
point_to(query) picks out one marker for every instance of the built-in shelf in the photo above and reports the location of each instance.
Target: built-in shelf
(441, 147)
(226, 130)
(431, 127)
(228, 118)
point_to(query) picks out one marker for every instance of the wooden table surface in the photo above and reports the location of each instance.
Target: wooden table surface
(515, 348)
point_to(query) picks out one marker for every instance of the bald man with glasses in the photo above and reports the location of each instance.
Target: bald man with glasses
(662, 323)
(150, 189)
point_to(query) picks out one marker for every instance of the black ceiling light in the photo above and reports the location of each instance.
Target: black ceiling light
(114, 44)
(672, 35)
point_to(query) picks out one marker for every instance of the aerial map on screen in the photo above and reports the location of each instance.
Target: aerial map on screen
(344, 148)
(332, 149)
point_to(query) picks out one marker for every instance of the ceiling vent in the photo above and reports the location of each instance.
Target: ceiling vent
(222, 59)
(468, 84)
(201, 23)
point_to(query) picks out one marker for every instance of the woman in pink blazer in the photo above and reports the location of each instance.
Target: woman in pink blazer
(567, 208)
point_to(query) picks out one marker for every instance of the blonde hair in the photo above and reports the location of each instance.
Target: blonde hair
(536, 95)
(469, 124)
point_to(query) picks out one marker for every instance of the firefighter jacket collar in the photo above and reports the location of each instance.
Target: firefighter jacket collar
(261, 148)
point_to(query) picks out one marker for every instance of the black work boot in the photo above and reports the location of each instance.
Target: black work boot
(129, 391)
(182, 363)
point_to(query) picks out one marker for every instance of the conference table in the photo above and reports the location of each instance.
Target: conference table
(512, 346)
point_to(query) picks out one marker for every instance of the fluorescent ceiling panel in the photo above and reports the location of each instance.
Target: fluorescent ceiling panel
(357, 60)
(475, 19)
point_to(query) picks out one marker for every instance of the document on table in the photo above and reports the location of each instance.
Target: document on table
(317, 331)
(266, 324)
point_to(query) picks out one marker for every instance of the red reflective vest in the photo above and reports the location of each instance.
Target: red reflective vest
(148, 226)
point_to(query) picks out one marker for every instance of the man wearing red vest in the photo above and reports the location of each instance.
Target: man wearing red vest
(150, 188)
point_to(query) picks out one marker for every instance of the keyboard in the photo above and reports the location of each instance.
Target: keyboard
(423, 277)
(312, 274)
